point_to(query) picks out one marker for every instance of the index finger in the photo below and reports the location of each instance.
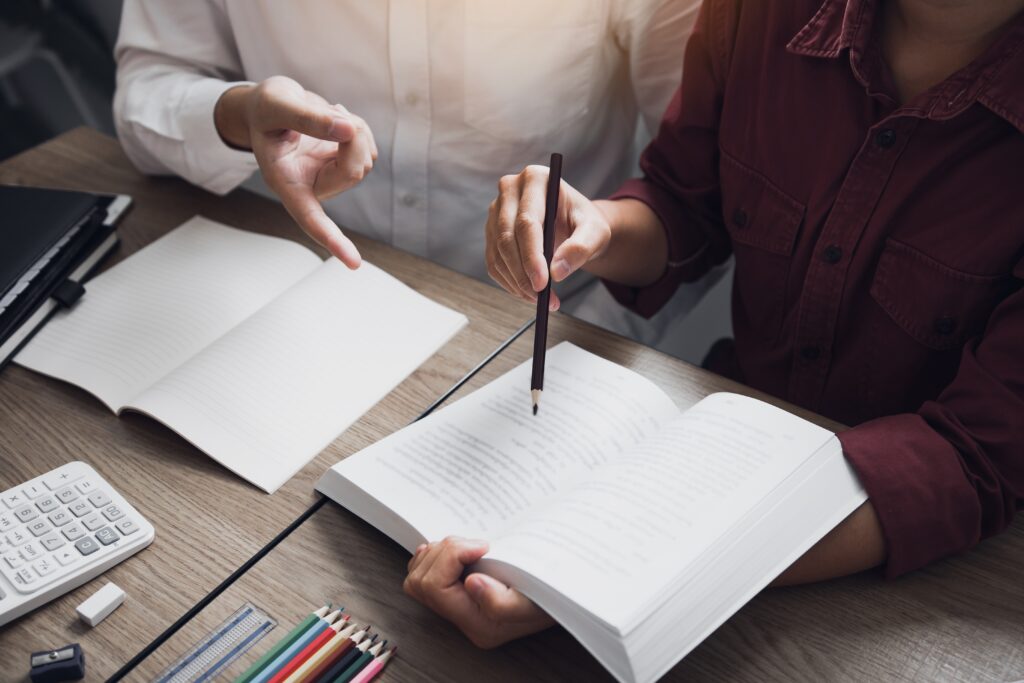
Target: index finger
(529, 225)
(307, 212)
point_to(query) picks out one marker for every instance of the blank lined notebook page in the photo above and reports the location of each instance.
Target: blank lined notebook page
(268, 396)
(152, 312)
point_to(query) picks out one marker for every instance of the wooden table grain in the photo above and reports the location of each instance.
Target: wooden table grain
(208, 521)
(959, 620)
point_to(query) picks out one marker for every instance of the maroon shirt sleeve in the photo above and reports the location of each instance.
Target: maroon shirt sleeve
(953, 473)
(685, 197)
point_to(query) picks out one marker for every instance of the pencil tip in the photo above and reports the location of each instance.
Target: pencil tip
(534, 408)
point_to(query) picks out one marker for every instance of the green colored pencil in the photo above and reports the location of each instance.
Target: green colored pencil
(285, 642)
(359, 664)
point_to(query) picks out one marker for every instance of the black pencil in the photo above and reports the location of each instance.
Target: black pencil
(540, 332)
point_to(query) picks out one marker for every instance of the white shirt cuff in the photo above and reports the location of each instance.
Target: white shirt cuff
(211, 163)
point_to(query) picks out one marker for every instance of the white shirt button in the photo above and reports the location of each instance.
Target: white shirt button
(409, 199)
(412, 99)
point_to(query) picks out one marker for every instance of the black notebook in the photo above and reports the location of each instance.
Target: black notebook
(46, 237)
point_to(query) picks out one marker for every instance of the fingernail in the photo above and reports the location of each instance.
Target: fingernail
(554, 305)
(475, 588)
(420, 548)
(560, 269)
(339, 130)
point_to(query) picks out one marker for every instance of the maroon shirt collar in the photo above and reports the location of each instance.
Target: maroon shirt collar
(992, 80)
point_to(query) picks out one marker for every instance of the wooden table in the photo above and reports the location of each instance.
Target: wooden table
(208, 520)
(962, 619)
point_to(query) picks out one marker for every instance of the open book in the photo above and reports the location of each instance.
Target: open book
(638, 527)
(249, 346)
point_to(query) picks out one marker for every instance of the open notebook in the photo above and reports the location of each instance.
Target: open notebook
(249, 346)
(638, 527)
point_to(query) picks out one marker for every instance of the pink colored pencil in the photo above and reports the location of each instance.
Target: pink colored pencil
(374, 667)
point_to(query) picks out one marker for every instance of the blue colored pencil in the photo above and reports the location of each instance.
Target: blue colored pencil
(298, 646)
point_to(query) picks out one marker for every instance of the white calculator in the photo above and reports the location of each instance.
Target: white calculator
(58, 531)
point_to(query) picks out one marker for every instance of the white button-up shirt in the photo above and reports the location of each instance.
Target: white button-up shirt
(457, 93)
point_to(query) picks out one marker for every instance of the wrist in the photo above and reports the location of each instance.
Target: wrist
(637, 249)
(230, 116)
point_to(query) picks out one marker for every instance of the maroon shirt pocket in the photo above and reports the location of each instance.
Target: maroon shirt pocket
(937, 305)
(763, 224)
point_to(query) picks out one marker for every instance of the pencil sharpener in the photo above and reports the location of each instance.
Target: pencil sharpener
(62, 664)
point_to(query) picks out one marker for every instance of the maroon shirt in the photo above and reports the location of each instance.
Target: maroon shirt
(879, 249)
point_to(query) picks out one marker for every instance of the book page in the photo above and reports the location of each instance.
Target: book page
(156, 309)
(478, 466)
(614, 542)
(269, 395)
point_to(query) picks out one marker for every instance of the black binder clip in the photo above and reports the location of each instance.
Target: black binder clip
(63, 664)
(68, 292)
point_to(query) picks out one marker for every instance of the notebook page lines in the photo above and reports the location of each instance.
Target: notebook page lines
(152, 312)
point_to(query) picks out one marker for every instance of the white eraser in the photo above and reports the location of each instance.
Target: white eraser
(103, 602)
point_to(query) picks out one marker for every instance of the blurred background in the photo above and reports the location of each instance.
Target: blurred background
(56, 68)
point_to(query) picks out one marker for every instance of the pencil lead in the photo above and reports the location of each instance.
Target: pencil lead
(534, 408)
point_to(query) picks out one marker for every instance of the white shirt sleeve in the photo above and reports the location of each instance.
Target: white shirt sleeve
(654, 33)
(174, 60)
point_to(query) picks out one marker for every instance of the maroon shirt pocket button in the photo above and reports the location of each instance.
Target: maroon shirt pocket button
(832, 254)
(740, 218)
(886, 138)
(810, 352)
(945, 325)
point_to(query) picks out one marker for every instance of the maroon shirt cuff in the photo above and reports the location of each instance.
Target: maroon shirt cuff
(685, 249)
(916, 483)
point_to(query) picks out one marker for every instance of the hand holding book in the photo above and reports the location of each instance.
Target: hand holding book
(486, 610)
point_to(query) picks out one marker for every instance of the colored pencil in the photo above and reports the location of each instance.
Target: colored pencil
(286, 655)
(359, 660)
(279, 647)
(305, 653)
(374, 668)
(540, 331)
(342, 664)
(332, 651)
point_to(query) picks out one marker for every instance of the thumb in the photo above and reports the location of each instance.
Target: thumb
(582, 245)
(498, 601)
(321, 122)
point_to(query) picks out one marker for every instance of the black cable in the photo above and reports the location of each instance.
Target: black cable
(296, 523)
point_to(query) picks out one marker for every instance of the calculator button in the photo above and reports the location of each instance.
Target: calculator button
(112, 512)
(87, 545)
(30, 552)
(26, 513)
(93, 522)
(6, 522)
(39, 527)
(24, 577)
(85, 487)
(56, 480)
(106, 536)
(12, 559)
(60, 518)
(17, 537)
(14, 499)
(73, 532)
(66, 494)
(33, 491)
(51, 542)
(127, 527)
(65, 556)
(44, 566)
(79, 508)
(99, 499)
(47, 504)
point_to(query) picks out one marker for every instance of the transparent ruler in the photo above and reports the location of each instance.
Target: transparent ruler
(220, 647)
